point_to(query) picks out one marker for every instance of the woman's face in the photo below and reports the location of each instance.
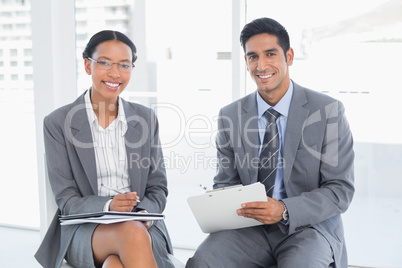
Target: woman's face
(107, 84)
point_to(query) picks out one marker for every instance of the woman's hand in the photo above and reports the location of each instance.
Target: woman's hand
(124, 202)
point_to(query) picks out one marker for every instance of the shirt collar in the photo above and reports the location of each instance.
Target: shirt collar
(120, 120)
(282, 106)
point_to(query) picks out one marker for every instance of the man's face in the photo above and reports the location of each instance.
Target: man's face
(267, 64)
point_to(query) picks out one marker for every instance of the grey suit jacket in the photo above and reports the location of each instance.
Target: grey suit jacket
(317, 161)
(72, 170)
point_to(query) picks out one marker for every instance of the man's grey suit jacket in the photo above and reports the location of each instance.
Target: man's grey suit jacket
(72, 171)
(317, 161)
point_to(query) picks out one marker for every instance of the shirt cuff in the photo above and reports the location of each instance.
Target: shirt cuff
(106, 207)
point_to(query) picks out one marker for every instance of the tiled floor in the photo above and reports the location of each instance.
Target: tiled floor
(18, 246)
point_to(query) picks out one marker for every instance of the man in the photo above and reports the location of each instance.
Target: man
(305, 162)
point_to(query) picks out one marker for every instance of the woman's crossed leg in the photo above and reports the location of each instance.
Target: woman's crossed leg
(126, 244)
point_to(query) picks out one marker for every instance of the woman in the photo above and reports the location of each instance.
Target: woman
(96, 147)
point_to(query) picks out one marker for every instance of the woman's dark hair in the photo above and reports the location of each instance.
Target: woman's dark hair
(265, 25)
(108, 35)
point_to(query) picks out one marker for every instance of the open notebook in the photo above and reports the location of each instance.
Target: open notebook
(109, 217)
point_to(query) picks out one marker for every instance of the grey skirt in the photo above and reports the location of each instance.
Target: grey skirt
(79, 253)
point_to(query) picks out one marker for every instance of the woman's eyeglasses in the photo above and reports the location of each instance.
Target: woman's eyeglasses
(107, 65)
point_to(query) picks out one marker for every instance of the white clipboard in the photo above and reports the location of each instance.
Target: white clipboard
(216, 210)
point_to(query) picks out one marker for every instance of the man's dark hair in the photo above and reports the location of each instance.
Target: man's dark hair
(108, 35)
(265, 25)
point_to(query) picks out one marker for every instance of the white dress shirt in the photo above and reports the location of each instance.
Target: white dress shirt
(110, 152)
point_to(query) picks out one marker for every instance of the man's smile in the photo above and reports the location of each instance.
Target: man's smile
(265, 76)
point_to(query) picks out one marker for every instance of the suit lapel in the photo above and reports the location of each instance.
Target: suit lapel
(249, 138)
(134, 147)
(296, 118)
(82, 140)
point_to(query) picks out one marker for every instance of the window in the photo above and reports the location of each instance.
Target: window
(82, 37)
(186, 125)
(119, 11)
(116, 23)
(81, 24)
(28, 52)
(6, 14)
(179, 79)
(21, 26)
(111, 9)
(7, 26)
(21, 13)
(13, 52)
(19, 167)
(80, 10)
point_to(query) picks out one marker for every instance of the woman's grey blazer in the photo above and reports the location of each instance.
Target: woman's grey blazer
(72, 171)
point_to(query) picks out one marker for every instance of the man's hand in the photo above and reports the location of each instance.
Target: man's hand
(269, 212)
(124, 202)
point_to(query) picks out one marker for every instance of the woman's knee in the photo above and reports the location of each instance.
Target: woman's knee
(133, 232)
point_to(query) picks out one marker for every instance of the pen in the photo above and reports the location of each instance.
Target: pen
(116, 191)
(203, 187)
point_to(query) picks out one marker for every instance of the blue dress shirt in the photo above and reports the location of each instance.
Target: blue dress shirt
(283, 108)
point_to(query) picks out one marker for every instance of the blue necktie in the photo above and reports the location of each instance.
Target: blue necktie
(269, 153)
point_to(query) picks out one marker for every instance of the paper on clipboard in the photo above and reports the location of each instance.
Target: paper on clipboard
(216, 210)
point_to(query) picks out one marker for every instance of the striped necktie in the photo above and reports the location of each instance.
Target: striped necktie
(269, 152)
